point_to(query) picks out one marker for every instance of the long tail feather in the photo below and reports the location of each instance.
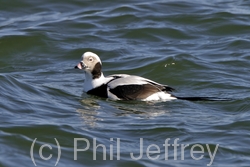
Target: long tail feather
(203, 98)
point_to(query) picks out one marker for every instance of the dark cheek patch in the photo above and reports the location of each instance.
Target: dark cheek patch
(97, 71)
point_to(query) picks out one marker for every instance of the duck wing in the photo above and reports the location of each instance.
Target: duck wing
(130, 87)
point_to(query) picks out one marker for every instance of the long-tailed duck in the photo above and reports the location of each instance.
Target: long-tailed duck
(119, 86)
(123, 86)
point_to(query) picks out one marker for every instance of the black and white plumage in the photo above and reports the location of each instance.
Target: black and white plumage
(120, 86)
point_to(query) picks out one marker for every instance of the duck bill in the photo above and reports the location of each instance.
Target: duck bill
(79, 66)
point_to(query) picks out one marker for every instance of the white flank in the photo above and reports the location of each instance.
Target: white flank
(159, 96)
(112, 96)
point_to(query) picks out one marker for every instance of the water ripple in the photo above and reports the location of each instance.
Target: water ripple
(201, 48)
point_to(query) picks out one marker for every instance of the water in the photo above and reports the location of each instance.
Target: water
(201, 48)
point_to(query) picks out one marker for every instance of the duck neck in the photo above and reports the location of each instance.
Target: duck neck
(91, 82)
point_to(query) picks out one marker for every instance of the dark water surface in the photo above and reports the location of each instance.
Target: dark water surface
(201, 48)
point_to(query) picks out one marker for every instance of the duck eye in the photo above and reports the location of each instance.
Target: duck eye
(90, 59)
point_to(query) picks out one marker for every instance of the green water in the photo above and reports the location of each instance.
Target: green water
(201, 48)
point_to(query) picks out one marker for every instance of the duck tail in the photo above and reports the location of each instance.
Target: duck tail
(203, 98)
